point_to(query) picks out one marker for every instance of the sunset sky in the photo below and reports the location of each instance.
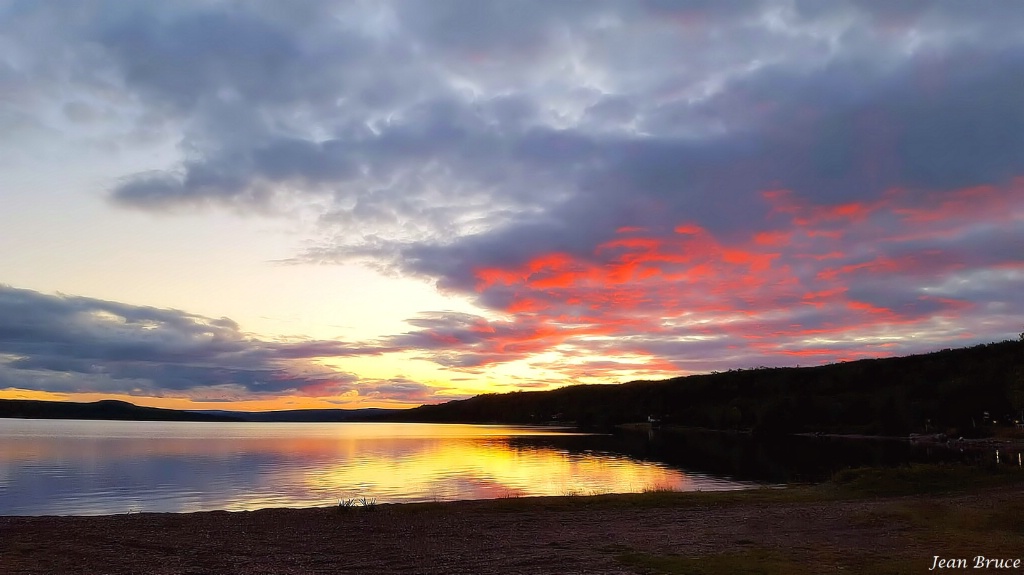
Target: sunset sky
(279, 204)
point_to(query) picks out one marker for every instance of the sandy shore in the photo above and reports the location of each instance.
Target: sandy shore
(593, 535)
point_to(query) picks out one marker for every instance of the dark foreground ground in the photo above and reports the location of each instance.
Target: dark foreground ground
(857, 527)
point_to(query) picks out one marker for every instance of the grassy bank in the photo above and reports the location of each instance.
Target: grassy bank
(917, 509)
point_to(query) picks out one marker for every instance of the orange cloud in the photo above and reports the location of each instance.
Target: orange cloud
(854, 275)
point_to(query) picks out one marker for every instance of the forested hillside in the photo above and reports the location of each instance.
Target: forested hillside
(945, 391)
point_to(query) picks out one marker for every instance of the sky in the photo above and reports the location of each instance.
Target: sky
(270, 205)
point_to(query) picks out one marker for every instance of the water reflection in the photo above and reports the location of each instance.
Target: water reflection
(97, 467)
(496, 468)
(790, 459)
(92, 467)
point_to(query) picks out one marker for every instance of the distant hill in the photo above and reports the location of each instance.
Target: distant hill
(106, 409)
(946, 391)
(121, 410)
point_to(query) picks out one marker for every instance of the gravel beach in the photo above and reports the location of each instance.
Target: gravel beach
(594, 535)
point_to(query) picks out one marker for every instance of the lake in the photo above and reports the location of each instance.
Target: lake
(64, 467)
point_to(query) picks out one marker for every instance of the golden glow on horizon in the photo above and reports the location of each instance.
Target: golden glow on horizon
(527, 374)
(270, 404)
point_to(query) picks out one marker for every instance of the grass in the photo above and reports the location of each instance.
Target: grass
(571, 492)
(921, 479)
(957, 529)
(368, 503)
(932, 524)
(660, 489)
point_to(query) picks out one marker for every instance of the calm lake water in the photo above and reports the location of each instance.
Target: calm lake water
(61, 467)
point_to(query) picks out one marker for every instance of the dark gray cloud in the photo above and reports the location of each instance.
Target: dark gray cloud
(853, 149)
(255, 89)
(66, 343)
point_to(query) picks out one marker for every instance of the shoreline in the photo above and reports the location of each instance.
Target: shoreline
(931, 439)
(797, 530)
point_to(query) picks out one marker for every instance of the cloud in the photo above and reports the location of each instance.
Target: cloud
(77, 344)
(686, 184)
(902, 273)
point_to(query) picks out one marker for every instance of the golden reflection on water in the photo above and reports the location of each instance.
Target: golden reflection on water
(91, 467)
(469, 469)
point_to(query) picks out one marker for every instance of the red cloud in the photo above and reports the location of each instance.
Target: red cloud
(819, 278)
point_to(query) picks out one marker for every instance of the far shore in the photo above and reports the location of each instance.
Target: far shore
(1010, 442)
(933, 438)
(867, 522)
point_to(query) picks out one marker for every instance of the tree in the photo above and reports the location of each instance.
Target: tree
(1016, 393)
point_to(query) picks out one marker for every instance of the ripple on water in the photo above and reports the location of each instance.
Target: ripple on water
(91, 467)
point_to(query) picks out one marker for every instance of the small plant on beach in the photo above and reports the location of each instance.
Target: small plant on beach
(347, 503)
(370, 503)
(660, 488)
(579, 492)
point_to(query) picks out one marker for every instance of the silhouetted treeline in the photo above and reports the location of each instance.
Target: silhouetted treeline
(776, 459)
(945, 391)
(107, 409)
